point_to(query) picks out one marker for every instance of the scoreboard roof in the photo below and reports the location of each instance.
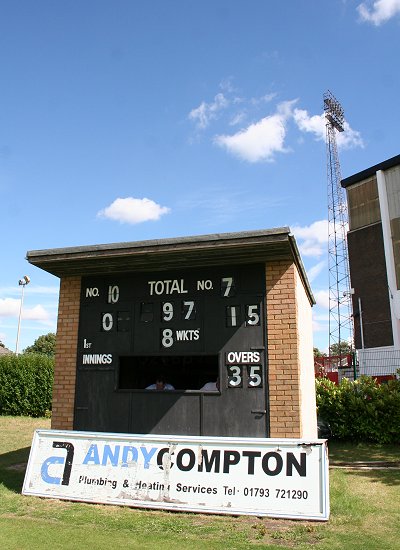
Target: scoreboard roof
(246, 247)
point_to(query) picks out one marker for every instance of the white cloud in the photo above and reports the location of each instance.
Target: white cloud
(206, 112)
(312, 239)
(240, 116)
(321, 316)
(53, 290)
(380, 11)
(216, 206)
(262, 140)
(10, 307)
(32, 289)
(237, 118)
(132, 210)
(322, 298)
(318, 327)
(37, 313)
(349, 138)
(316, 269)
(226, 85)
(263, 99)
(316, 125)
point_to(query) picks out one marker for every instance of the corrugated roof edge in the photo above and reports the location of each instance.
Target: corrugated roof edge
(158, 242)
(368, 172)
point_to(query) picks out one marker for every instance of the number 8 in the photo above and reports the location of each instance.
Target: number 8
(167, 339)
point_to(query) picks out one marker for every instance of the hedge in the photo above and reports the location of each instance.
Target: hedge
(26, 384)
(362, 410)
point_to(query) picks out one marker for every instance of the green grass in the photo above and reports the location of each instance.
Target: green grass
(365, 511)
(364, 452)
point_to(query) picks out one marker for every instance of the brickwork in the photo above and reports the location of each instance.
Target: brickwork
(283, 350)
(65, 363)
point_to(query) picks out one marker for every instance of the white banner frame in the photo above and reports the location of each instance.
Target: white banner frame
(282, 478)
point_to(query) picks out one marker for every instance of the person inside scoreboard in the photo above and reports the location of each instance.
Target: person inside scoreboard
(160, 384)
(211, 386)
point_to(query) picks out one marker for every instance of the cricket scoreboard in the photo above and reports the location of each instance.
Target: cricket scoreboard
(192, 325)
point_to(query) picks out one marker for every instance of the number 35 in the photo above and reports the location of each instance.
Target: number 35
(235, 376)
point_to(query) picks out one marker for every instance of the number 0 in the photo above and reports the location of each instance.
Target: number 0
(107, 321)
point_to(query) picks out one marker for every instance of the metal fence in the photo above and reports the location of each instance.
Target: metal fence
(380, 363)
(383, 365)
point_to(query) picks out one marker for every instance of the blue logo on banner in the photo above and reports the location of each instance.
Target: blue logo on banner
(52, 460)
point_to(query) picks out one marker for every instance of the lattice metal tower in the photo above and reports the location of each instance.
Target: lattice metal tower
(340, 318)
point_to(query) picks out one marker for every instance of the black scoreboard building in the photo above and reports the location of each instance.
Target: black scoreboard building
(192, 313)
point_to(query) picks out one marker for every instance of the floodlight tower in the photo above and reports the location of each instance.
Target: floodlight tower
(22, 283)
(340, 318)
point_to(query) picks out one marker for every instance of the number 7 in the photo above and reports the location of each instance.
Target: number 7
(229, 283)
(190, 308)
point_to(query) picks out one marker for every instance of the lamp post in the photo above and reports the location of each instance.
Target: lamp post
(22, 283)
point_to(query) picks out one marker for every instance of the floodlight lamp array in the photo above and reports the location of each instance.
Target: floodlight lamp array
(24, 281)
(334, 112)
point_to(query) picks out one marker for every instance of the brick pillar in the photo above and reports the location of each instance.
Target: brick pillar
(66, 349)
(283, 350)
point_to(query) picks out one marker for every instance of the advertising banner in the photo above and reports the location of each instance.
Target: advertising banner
(285, 478)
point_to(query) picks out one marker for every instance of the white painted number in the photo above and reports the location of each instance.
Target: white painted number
(113, 294)
(168, 311)
(188, 310)
(232, 316)
(227, 284)
(107, 321)
(255, 379)
(234, 376)
(167, 339)
(253, 317)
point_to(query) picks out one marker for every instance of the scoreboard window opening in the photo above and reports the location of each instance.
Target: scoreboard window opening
(184, 372)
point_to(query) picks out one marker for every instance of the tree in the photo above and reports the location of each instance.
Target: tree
(340, 348)
(45, 344)
(2, 345)
(318, 353)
